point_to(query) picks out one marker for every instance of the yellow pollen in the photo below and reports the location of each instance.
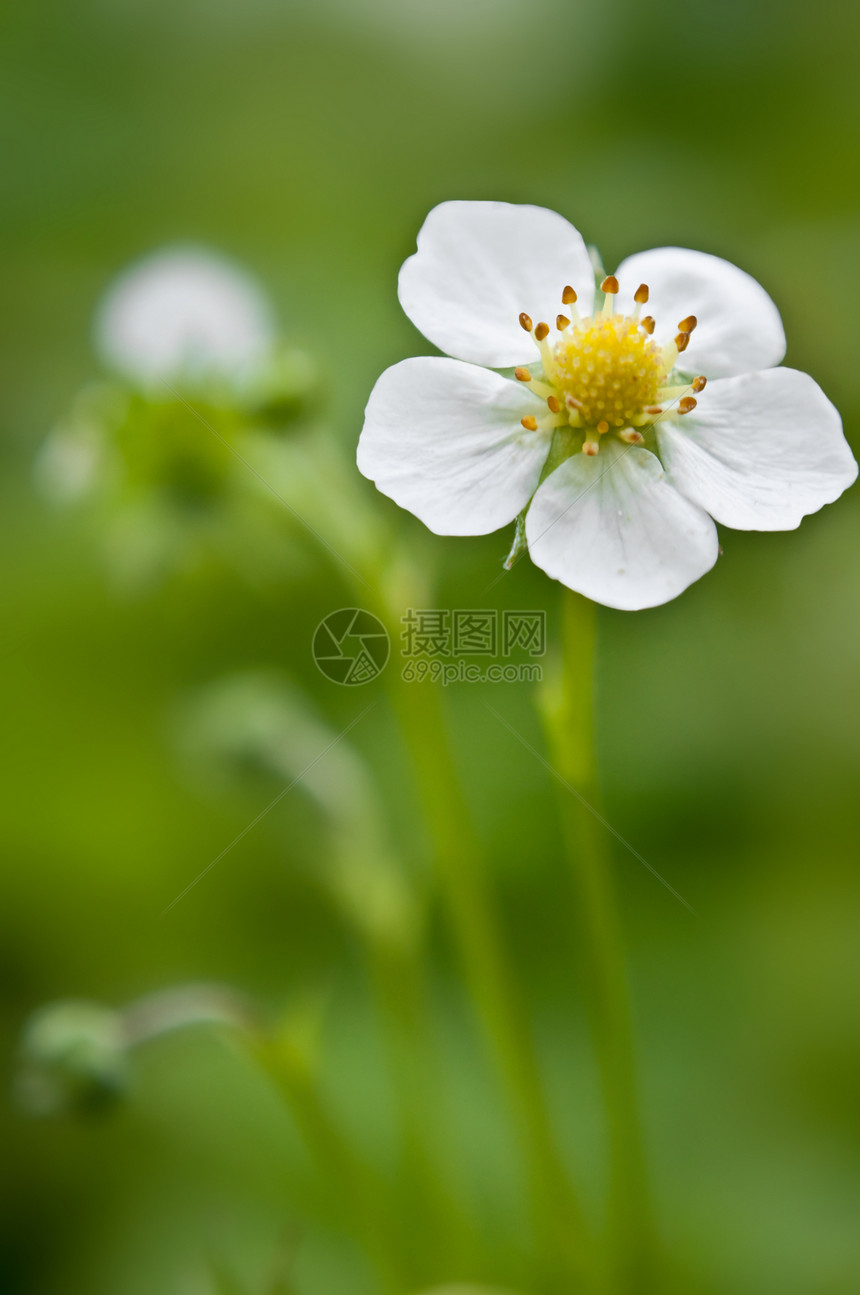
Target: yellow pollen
(609, 369)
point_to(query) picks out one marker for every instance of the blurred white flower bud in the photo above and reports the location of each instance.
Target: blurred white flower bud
(183, 312)
(72, 1059)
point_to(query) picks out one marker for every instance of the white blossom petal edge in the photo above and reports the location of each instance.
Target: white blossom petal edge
(613, 528)
(445, 440)
(476, 264)
(765, 451)
(610, 437)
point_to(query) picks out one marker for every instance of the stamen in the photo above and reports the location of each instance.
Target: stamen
(687, 325)
(568, 298)
(603, 427)
(682, 389)
(649, 323)
(687, 405)
(540, 335)
(682, 341)
(609, 286)
(591, 448)
(673, 392)
(640, 296)
(554, 404)
(573, 407)
(529, 423)
(670, 355)
(631, 437)
(562, 322)
(653, 409)
(525, 322)
(542, 389)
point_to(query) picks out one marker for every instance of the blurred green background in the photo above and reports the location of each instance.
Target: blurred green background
(309, 141)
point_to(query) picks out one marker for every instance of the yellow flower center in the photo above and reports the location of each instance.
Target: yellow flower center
(611, 368)
(606, 373)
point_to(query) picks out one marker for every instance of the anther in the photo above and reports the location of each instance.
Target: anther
(649, 323)
(640, 296)
(529, 423)
(699, 383)
(682, 341)
(568, 297)
(653, 409)
(522, 375)
(562, 322)
(572, 402)
(631, 437)
(603, 427)
(591, 448)
(609, 284)
(541, 331)
(525, 322)
(687, 325)
(687, 405)
(554, 404)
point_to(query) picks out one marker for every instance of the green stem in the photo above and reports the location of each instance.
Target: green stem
(559, 1223)
(442, 1241)
(568, 705)
(351, 1181)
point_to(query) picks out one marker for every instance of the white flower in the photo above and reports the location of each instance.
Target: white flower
(651, 406)
(183, 311)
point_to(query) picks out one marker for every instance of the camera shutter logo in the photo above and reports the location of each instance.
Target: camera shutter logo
(351, 646)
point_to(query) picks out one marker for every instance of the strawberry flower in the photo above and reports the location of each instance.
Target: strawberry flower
(628, 415)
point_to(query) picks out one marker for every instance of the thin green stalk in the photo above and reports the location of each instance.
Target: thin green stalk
(350, 1180)
(437, 1233)
(558, 1217)
(568, 706)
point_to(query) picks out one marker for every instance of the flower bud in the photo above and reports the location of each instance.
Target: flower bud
(181, 314)
(72, 1059)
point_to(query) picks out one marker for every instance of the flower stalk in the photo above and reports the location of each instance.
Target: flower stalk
(568, 713)
(559, 1223)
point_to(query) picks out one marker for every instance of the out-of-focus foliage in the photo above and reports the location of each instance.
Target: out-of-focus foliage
(308, 143)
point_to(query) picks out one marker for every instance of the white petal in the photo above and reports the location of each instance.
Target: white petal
(444, 440)
(479, 265)
(739, 328)
(180, 311)
(614, 529)
(760, 451)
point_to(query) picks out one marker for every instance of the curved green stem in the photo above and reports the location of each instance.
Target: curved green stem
(568, 706)
(352, 1182)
